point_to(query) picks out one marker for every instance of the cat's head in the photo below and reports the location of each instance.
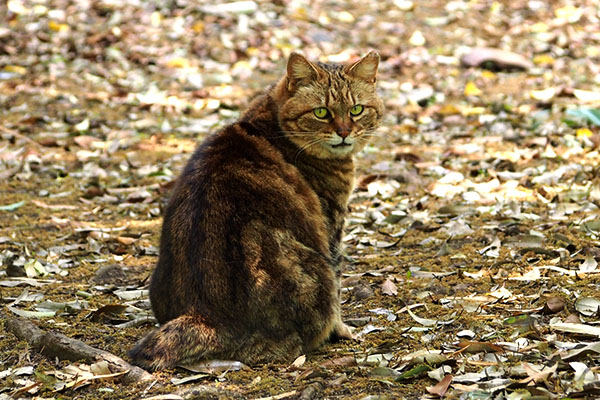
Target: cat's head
(330, 111)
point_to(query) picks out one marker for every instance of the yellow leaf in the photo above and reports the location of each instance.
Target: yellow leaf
(543, 59)
(252, 51)
(198, 27)
(178, 62)
(449, 109)
(16, 69)
(155, 19)
(583, 133)
(487, 74)
(495, 8)
(472, 111)
(417, 39)
(300, 13)
(544, 94)
(58, 27)
(524, 109)
(569, 13)
(345, 16)
(539, 27)
(472, 90)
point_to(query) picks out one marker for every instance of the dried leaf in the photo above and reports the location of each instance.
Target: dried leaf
(389, 288)
(441, 387)
(468, 346)
(479, 56)
(581, 329)
(215, 366)
(536, 375)
(554, 305)
(347, 361)
(587, 306)
(13, 206)
(298, 362)
(191, 378)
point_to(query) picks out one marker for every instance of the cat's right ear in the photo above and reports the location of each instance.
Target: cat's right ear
(300, 70)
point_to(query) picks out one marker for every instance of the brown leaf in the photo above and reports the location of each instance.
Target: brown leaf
(85, 141)
(389, 288)
(347, 361)
(535, 376)
(500, 58)
(441, 387)
(362, 292)
(554, 305)
(573, 319)
(363, 181)
(312, 373)
(468, 346)
(109, 310)
(126, 240)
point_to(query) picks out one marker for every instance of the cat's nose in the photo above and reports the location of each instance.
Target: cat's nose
(343, 131)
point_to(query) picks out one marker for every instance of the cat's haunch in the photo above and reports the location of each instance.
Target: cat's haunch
(250, 258)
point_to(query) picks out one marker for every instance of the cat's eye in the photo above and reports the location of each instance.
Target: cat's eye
(321, 112)
(356, 110)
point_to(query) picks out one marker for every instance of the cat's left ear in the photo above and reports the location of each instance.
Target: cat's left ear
(365, 68)
(300, 70)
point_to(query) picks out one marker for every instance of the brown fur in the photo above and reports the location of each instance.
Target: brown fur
(250, 257)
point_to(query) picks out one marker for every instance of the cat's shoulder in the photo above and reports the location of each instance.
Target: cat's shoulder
(235, 145)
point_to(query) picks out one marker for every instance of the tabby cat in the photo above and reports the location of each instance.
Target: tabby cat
(249, 264)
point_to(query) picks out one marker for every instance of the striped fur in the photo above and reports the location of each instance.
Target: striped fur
(250, 253)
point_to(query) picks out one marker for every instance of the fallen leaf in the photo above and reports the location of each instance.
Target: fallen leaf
(587, 306)
(472, 90)
(298, 362)
(389, 288)
(441, 387)
(581, 329)
(554, 305)
(502, 59)
(346, 361)
(215, 366)
(535, 375)
(13, 206)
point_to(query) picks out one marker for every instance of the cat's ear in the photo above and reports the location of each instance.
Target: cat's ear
(365, 68)
(299, 70)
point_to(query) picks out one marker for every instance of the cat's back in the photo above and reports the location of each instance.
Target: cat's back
(238, 161)
(235, 182)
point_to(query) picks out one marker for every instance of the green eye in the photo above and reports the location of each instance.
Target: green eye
(321, 112)
(356, 110)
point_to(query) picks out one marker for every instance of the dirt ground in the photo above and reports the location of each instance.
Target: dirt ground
(472, 239)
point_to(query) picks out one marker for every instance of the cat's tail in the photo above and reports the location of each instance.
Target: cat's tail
(182, 340)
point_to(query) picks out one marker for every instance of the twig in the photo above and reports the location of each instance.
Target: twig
(56, 345)
(20, 136)
(136, 322)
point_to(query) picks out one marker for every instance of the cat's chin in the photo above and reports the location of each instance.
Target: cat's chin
(341, 150)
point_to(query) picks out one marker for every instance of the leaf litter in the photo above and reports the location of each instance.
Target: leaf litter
(477, 203)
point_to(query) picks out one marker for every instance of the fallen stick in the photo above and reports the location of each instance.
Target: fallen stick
(20, 136)
(56, 345)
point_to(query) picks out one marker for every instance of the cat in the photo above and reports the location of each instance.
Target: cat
(249, 265)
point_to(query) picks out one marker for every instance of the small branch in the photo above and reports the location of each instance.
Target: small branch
(20, 136)
(56, 345)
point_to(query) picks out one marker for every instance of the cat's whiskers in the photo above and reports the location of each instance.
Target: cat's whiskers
(306, 146)
(295, 134)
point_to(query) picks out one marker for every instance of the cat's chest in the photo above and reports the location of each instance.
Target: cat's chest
(333, 187)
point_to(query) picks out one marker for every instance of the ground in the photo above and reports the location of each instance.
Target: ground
(472, 239)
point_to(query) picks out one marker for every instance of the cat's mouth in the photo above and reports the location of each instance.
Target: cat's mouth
(343, 144)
